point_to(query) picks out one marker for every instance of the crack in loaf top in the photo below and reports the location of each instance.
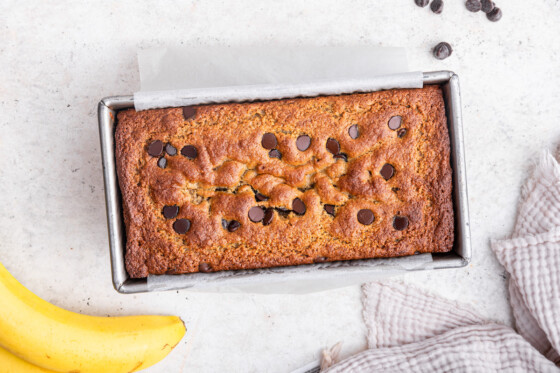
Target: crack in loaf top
(251, 185)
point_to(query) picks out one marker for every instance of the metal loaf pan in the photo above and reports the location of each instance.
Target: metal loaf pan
(460, 255)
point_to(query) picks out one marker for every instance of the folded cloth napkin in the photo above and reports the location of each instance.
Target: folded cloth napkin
(411, 330)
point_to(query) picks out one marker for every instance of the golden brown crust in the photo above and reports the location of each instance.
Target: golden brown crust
(232, 159)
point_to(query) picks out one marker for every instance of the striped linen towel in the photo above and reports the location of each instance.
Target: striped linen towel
(410, 330)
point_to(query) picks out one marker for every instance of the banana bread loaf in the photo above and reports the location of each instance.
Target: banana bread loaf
(287, 182)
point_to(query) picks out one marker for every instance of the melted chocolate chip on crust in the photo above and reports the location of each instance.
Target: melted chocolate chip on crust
(170, 212)
(401, 132)
(342, 156)
(298, 206)
(204, 267)
(303, 142)
(395, 122)
(269, 141)
(162, 162)
(353, 131)
(268, 216)
(233, 226)
(256, 214)
(365, 216)
(189, 151)
(275, 154)
(182, 226)
(170, 149)
(329, 209)
(400, 222)
(188, 112)
(320, 259)
(387, 171)
(260, 197)
(155, 148)
(333, 146)
(225, 223)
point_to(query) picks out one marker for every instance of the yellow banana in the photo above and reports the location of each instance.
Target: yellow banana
(53, 338)
(12, 364)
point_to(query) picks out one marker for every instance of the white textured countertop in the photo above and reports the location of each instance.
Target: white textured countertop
(57, 61)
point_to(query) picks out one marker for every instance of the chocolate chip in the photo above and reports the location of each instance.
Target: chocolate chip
(320, 259)
(170, 212)
(182, 226)
(387, 171)
(256, 214)
(275, 154)
(225, 223)
(189, 151)
(162, 162)
(421, 3)
(155, 148)
(473, 5)
(442, 50)
(233, 226)
(260, 197)
(269, 141)
(437, 6)
(170, 149)
(494, 15)
(487, 6)
(365, 216)
(283, 211)
(221, 189)
(341, 156)
(188, 112)
(329, 209)
(400, 222)
(298, 206)
(204, 267)
(303, 142)
(268, 216)
(333, 146)
(395, 122)
(353, 131)
(401, 132)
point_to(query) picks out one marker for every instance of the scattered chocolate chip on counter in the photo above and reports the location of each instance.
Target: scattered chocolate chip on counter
(421, 3)
(473, 5)
(442, 50)
(495, 15)
(487, 6)
(437, 6)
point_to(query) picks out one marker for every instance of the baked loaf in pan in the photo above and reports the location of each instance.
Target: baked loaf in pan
(287, 182)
